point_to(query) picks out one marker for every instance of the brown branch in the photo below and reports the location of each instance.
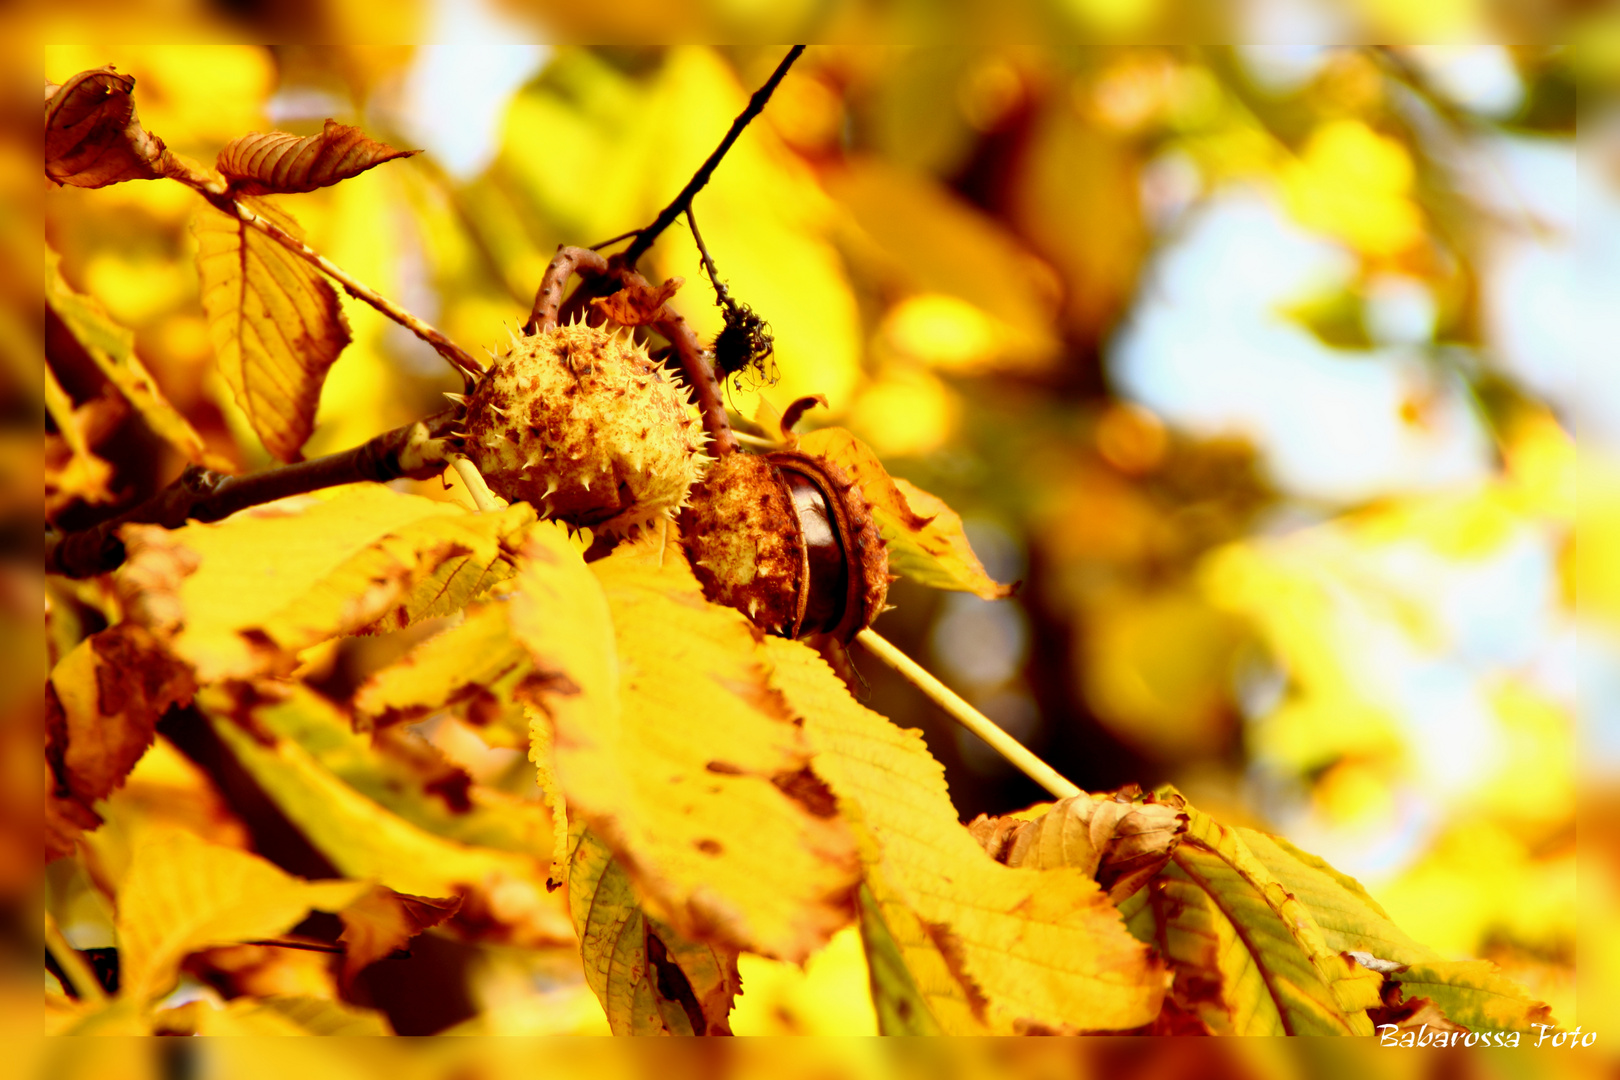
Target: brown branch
(415, 450)
(756, 104)
(548, 299)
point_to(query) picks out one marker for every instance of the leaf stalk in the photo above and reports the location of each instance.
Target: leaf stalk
(969, 717)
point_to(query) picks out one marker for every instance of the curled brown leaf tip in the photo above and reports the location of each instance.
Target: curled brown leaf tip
(280, 163)
(92, 135)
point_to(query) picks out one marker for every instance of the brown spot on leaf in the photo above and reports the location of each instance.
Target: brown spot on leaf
(709, 847)
(726, 768)
(807, 788)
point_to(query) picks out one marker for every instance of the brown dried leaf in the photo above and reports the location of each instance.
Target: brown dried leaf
(275, 323)
(92, 136)
(383, 920)
(274, 162)
(636, 305)
(1122, 838)
(103, 704)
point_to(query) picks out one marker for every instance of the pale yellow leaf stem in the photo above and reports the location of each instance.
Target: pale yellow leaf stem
(79, 976)
(482, 497)
(969, 717)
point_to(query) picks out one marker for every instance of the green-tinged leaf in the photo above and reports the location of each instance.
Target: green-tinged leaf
(1350, 920)
(1247, 955)
(650, 980)
(92, 135)
(503, 891)
(1043, 948)
(112, 349)
(239, 598)
(276, 324)
(474, 666)
(1475, 994)
(902, 1008)
(103, 702)
(677, 755)
(274, 162)
(925, 537)
(183, 894)
(1121, 839)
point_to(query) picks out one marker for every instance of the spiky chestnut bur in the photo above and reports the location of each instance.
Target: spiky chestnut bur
(579, 421)
(787, 539)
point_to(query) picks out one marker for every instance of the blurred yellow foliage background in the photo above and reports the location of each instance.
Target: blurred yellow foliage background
(1255, 363)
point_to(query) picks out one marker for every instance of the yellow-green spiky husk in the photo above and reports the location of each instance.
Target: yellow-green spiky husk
(583, 424)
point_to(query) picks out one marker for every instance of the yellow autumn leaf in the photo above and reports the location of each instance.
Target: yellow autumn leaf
(474, 665)
(364, 838)
(276, 324)
(650, 980)
(1044, 948)
(240, 597)
(112, 349)
(183, 894)
(677, 754)
(925, 537)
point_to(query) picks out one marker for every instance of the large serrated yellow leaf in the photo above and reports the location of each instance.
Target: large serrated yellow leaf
(925, 537)
(275, 322)
(365, 839)
(650, 980)
(1248, 956)
(683, 761)
(238, 598)
(1043, 948)
(184, 894)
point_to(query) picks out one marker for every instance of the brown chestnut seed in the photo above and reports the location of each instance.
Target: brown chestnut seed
(787, 539)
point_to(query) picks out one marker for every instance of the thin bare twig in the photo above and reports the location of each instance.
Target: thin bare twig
(416, 450)
(679, 205)
(467, 365)
(969, 717)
